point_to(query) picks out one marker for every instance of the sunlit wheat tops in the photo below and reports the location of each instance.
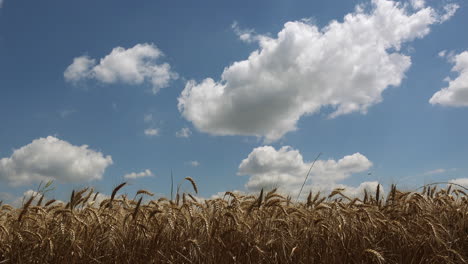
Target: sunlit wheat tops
(430, 226)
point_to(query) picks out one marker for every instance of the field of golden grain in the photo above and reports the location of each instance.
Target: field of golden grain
(429, 226)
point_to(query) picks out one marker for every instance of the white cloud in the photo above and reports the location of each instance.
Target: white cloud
(286, 169)
(246, 35)
(53, 159)
(450, 10)
(456, 94)
(184, 133)
(345, 65)
(81, 68)
(460, 181)
(417, 4)
(222, 195)
(369, 186)
(136, 65)
(193, 163)
(151, 132)
(18, 201)
(100, 197)
(442, 53)
(134, 175)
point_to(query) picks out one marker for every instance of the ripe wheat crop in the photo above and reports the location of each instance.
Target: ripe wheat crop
(404, 227)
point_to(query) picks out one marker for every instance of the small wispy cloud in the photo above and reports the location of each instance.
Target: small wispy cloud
(135, 175)
(184, 133)
(436, 171)
(193, 163)
(148, 118)
(246, 35)
(439, 171)
(66, 112)
(151, 132)
(442, 53)
(450, 10)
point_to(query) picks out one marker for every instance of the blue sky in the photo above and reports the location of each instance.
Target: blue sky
(238, 95)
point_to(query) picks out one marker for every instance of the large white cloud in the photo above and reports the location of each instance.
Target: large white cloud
(135, 65)
(286, 169)
(345, 65)
(456, 94)
(51, 158)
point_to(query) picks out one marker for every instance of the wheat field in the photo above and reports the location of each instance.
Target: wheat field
(428, 226)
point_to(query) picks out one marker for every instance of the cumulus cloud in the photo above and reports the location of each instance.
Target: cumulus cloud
(460, 181)
(369, 186)
(418, 4)
(134, 175)
(81, 68)
(286, 169)
(53, 159)
(136, 65)
(19, 201)
(151, 132)
(184, 133)
(456, 94)
(344, 65)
